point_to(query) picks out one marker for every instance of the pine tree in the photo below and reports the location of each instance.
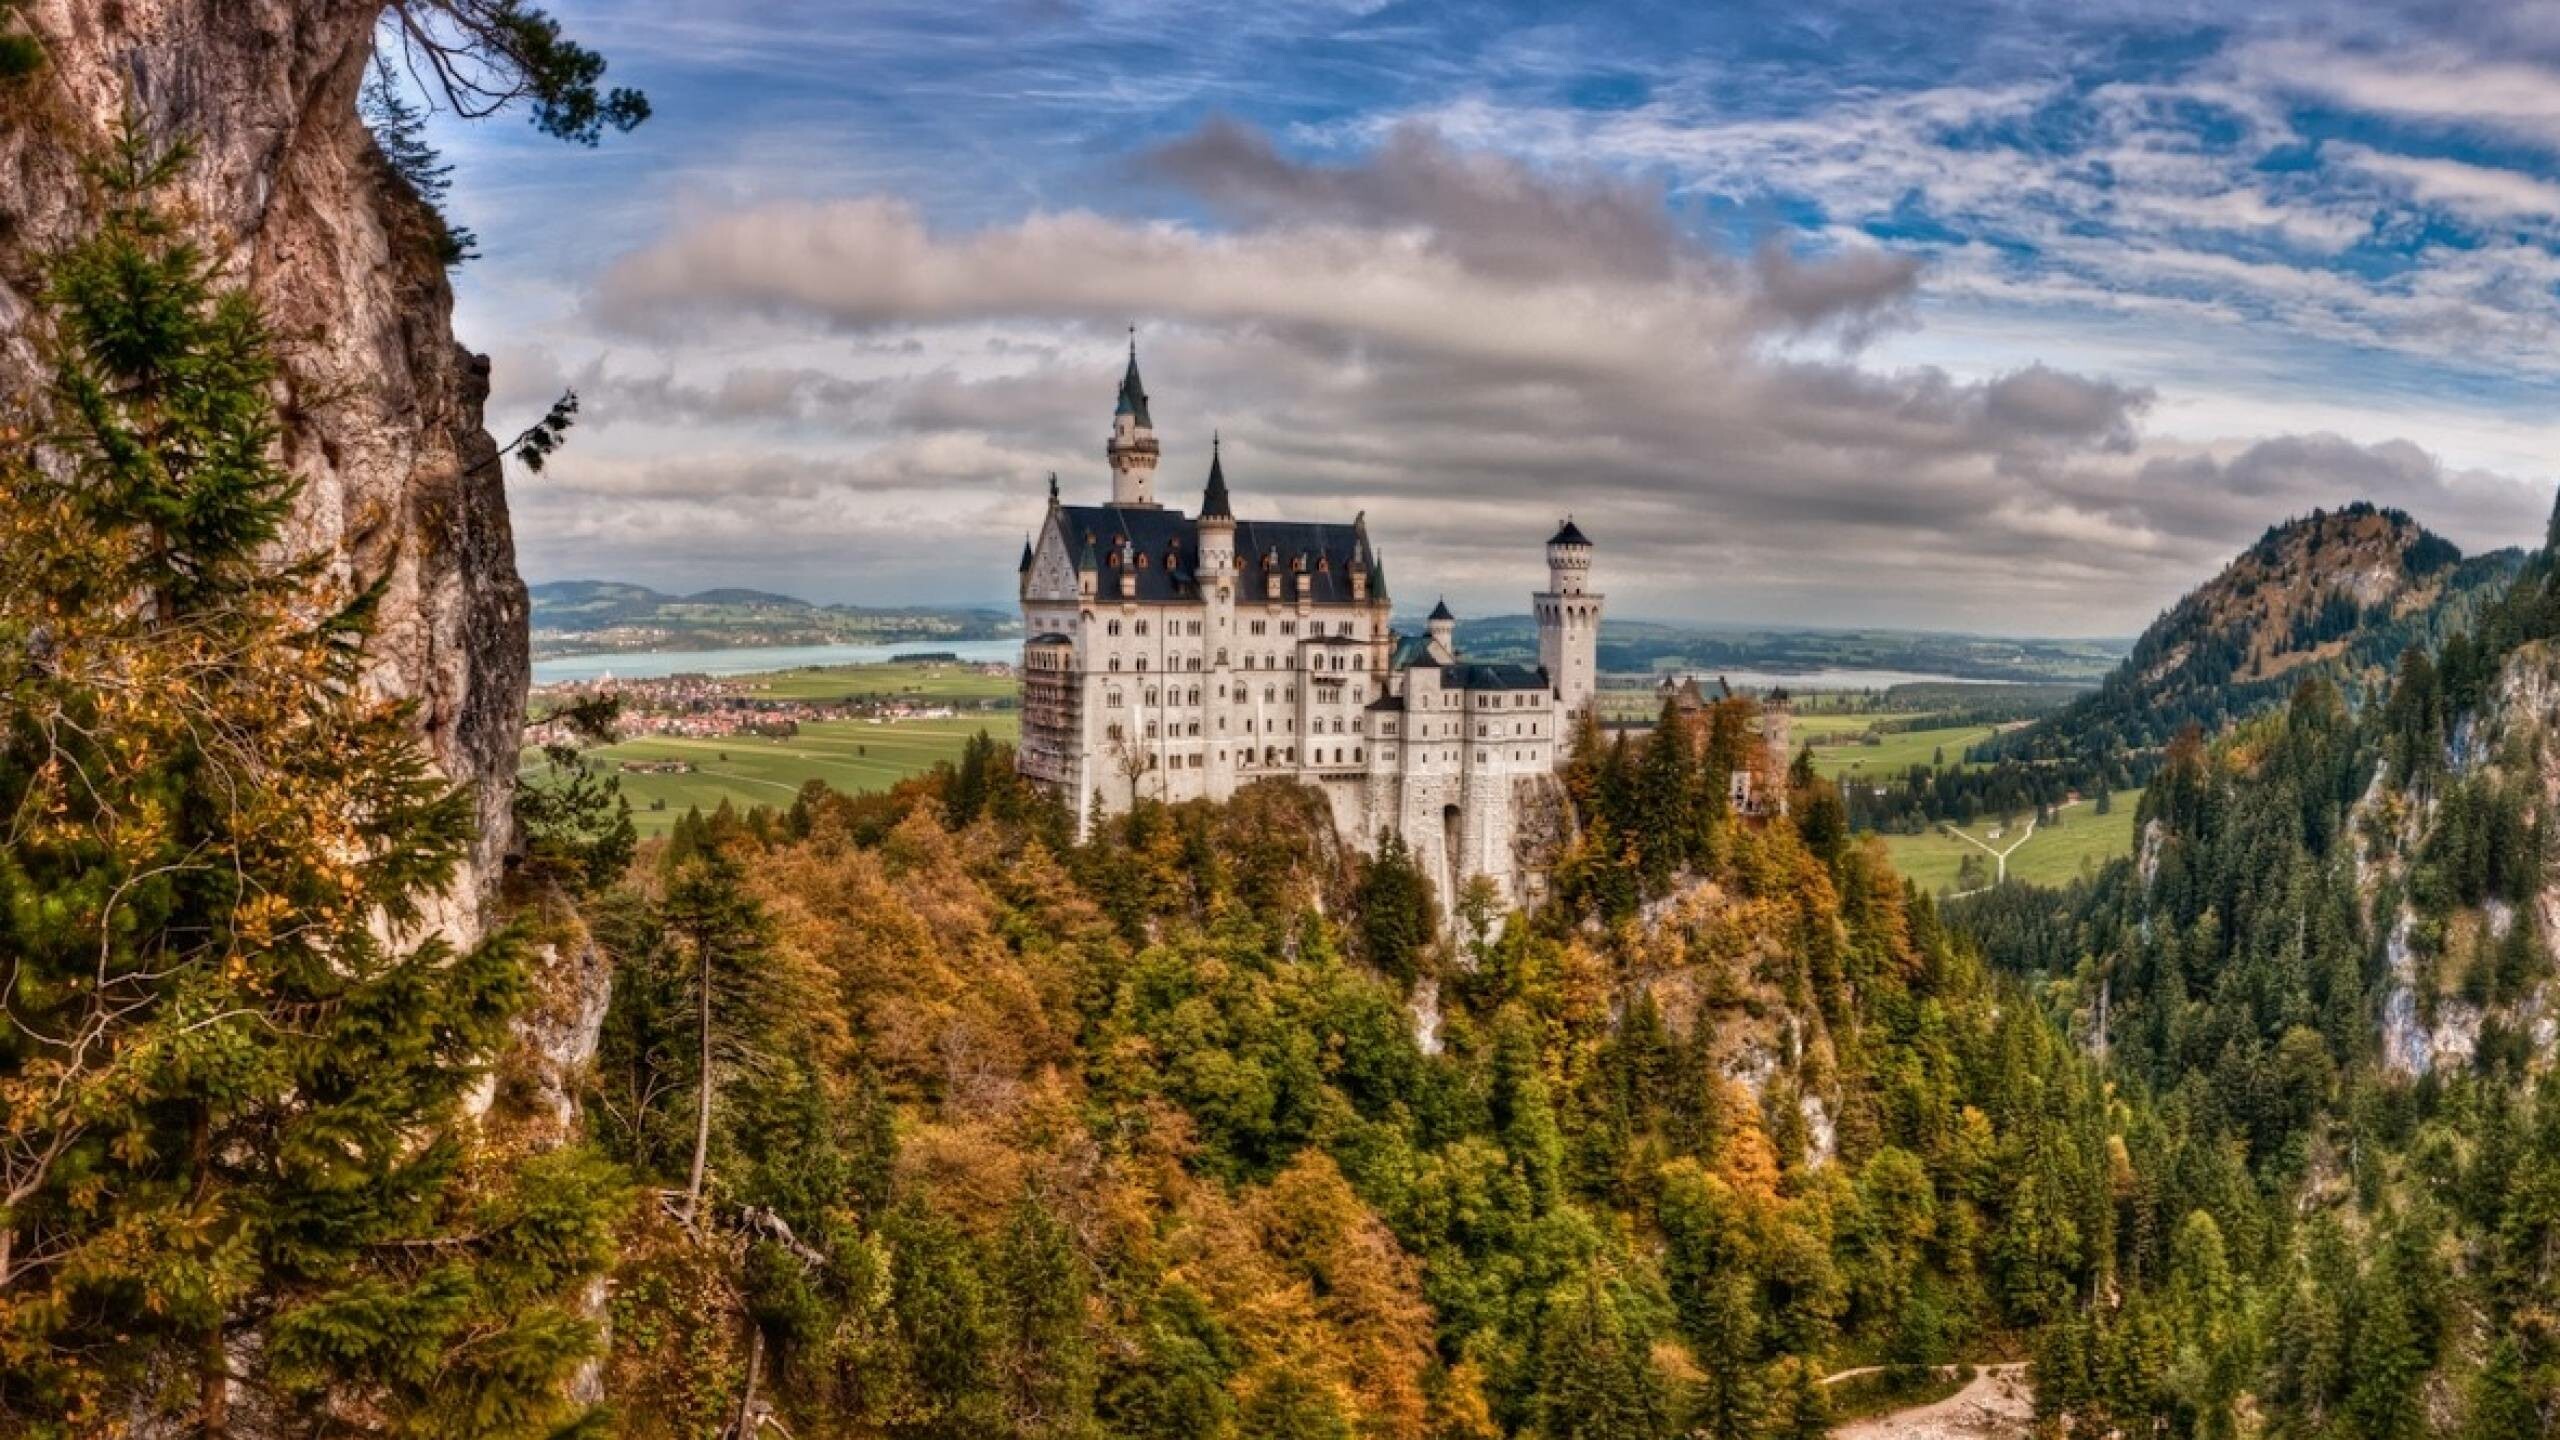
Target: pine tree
(1596, 1379)
(233, 1145)
(1397, 917)
(400, 133)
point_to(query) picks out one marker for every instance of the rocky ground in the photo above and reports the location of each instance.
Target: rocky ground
(1998, 1405)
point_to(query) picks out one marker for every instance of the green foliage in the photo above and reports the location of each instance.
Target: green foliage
(232, 1089)
(20, 54)
(400, 133)
(481, 56)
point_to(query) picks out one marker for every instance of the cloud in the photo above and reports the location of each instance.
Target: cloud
(1362, 347)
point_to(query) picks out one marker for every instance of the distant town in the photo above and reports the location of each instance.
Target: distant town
(766, 706)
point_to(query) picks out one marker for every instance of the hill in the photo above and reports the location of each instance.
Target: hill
(1647, 645)
(2337, 594)
(586, 616)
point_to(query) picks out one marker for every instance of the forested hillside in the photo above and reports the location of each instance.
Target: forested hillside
(2330, 967)
(2338, 594)
(1198, 1129)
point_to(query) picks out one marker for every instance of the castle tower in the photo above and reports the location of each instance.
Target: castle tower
(1444, 633)
(1132, 449)
(1569, 624)
(1217, 521)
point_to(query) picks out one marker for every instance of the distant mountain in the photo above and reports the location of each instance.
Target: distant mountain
(2336, 593)
(578, 616)
(1642, 646)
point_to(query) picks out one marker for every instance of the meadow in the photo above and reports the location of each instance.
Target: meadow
(2054, 855)
(1849, 746)
(851, 755)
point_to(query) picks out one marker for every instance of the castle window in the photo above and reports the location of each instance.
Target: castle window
(1142, 627)
(1115, 662)
(1288, 627)
(1195, 662)
(1359, 662)
(1151, 729)
(1142, 662)
(1151, 759)
(1195, 696)
(1192, 628)
(1113, 628)
(1114, 700)
(1259, 626)
(1248, 660)
(1355, 755)
(1268, 695)
(1222, 664)
(1113, 731)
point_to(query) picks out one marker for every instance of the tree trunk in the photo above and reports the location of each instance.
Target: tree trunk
(702, 1093)
(746, 1428)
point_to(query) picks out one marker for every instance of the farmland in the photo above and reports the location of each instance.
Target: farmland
(852, 755)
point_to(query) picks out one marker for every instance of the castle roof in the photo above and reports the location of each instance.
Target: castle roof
(1566, 534)
(1263, 547)
(1412, 650)
(1026, 554)
(1133, 395)
(1441, 611)
(1475, 676)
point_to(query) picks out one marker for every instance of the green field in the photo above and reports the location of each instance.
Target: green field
(2054, 855)
(956, 684)
(1840, 748)
(851, 755)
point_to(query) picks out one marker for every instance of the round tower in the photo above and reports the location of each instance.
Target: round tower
(1132, 448)
(1444, 631)
(1569, 623)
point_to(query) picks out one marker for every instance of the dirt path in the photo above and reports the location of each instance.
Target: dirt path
(1998, 1405)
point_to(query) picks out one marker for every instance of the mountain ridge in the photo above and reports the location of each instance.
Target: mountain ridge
(2339, 593)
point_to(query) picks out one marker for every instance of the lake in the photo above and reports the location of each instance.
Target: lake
(657, 664)
(1833, 679)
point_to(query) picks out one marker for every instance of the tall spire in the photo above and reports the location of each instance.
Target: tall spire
(1133, 393)
(1214, 505)
(1132, 449)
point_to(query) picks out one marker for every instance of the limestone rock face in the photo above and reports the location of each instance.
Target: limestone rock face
(381, 408)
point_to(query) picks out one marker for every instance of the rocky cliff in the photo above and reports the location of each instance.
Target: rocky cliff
(381, 408)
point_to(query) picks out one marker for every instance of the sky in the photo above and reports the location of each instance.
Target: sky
(1978, 314)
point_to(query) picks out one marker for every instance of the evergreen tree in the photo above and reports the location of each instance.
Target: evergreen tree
(235, 1144)
(1596, 1379)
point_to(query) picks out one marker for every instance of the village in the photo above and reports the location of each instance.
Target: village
(696, 706)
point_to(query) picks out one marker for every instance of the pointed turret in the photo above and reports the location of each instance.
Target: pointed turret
(1443, 629)
(1025, 566)
(1132, 447)
(1133, 391)
(1214, 504)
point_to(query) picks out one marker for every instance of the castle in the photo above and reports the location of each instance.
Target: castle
(1178, 657)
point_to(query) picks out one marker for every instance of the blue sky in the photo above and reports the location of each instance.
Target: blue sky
(2003, 316)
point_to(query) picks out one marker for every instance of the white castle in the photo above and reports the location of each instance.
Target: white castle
(1176, 658)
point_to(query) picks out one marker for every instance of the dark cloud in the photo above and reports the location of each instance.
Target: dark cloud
(1488, 210)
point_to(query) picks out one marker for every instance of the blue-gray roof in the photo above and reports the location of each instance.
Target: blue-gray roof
(1161, 534)
(1494, 677)
(1133, 395)
(1566, 534)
